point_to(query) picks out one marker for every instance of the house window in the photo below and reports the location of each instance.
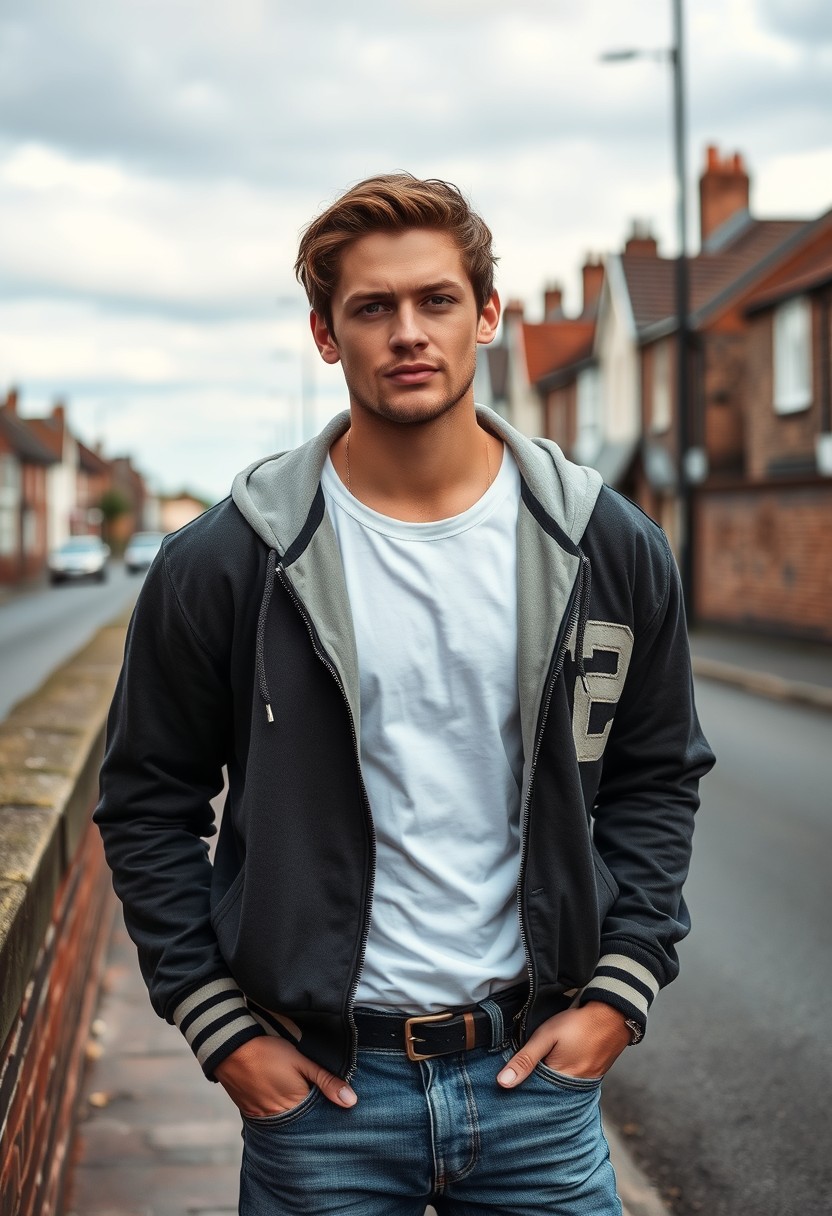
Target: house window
(660, 414)
(9, 501)
(588, 440)
(793, 355)
(30, 531)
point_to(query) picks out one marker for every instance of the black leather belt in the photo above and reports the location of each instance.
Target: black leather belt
(438, 1034)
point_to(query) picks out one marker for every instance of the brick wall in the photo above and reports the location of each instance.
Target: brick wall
(723, 366)
(55, 910)
(42, 1061)
(771, 436)
(764, 559)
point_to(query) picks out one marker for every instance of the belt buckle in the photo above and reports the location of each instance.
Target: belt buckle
(410, 1038)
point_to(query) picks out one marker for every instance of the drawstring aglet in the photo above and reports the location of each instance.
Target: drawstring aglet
(269, 714)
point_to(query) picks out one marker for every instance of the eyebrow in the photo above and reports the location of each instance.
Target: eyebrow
(427, 289)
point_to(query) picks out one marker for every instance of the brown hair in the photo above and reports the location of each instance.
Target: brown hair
(392, 202)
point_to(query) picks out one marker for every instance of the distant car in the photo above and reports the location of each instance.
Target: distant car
(77, 558)
(141, 549)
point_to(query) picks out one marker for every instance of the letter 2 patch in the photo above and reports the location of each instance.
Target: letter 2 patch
(608, 649)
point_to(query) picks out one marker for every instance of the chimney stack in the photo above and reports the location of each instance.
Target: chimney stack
(641, 242)
(723, 191)
(514, 310)
(10, 403)
(593, 280)
(553, 302)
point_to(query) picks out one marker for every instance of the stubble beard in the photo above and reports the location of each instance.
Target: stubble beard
(405, 413)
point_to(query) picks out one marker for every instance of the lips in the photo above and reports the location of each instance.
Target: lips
(411, 373)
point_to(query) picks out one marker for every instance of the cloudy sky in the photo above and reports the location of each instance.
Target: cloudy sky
(158, 159)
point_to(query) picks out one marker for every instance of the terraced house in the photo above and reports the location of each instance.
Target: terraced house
(760, 441)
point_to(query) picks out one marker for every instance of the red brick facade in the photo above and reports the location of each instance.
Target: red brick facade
(42, 1061)
(764, 559)
(777, 441)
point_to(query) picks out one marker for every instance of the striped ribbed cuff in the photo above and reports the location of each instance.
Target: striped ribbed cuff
(623, 983)
(216, 1021)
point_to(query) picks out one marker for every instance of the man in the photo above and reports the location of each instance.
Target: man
(448, 674)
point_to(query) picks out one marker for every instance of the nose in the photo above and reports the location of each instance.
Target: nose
(407, 331)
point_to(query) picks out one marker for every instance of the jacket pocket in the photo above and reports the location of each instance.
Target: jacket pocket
(605, 885)
(227, 901)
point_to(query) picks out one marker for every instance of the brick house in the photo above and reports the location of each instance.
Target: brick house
(62, 478)
(94, 477)
(636, 343)
(759, 367)
(24, 466)
(528, 352)
(764, 519)
(128, 483)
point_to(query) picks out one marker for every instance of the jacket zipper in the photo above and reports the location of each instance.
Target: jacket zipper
(558, 659)
(365, 933)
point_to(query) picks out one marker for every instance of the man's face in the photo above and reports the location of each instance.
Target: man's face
(404, 325)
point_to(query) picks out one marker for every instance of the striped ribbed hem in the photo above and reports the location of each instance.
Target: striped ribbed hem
(623, 983)
(215, 1020)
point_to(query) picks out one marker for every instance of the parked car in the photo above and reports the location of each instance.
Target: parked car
(141, 549)
(77, 558)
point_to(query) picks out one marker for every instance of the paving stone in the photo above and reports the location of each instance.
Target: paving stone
(194, 1143)
(137, 1189)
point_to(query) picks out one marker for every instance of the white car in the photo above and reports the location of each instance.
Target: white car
(141, 549)
(77, 558)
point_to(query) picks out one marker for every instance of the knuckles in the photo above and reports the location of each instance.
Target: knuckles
(522, 1063)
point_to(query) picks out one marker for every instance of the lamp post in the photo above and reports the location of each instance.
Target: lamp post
(685, 453)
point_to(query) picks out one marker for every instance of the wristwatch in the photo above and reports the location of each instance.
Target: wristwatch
(636, 1030)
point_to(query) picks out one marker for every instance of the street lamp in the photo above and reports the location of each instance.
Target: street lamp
(684, 456)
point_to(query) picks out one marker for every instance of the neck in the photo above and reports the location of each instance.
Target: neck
(420, 471)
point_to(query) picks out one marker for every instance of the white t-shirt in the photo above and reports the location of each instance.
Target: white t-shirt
(434, 607)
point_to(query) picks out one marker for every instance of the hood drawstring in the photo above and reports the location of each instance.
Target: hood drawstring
(271, 570)
(583, 614)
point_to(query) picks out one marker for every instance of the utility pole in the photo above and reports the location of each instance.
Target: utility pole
(686, 453)
(683, 402)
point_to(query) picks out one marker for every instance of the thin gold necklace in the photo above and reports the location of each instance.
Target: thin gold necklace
(349, 475)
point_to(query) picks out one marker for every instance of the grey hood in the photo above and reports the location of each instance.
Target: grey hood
(280, 496)
(276, 493)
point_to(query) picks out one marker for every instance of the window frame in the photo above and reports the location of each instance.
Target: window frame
(791, 355)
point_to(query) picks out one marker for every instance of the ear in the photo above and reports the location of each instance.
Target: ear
(324, 339)
(489, 320)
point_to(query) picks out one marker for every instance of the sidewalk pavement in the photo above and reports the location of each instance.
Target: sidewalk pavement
(795, 671)
(155, 1139)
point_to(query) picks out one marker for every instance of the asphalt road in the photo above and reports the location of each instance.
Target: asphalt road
(40, 629)
(726, 1103)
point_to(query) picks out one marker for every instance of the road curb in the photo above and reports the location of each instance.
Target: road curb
(637, 1193)
(763, 683)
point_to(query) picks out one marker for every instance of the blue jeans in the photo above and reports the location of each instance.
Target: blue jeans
(440, 1131)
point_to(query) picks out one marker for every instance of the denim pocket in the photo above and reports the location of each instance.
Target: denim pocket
(284, 1116)
(564, 1080)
